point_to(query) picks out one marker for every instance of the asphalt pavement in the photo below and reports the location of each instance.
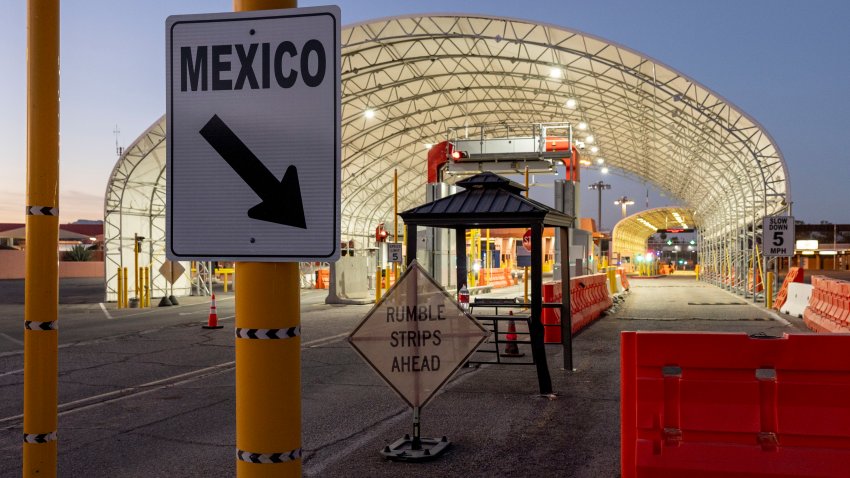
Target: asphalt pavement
(148, 393)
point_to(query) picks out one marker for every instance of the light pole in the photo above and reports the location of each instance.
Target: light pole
(599, 186)
(624, 202)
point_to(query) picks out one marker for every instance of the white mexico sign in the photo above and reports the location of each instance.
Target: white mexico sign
(253, 135)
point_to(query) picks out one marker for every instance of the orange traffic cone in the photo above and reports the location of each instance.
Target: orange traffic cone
(212, 322)
(511, 347)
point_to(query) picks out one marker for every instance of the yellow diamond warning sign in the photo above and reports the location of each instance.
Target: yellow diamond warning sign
(417, 336)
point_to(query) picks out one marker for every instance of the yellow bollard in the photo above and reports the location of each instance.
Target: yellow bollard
(148, 286)
(120, 288)
(126, 290)
(379, 281)
(612, 280)
(225, 281)
(768, 291)
(41, 287)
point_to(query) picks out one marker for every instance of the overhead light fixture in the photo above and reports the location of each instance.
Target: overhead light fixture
(584, 162)
(600, 160)
(582, 126)
(369, 114)
(571, 103)
(588, 139)
(594, 149)
(428, 145)
(604, 170)
(555, 73)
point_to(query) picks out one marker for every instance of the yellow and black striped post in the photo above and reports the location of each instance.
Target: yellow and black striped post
(41, 290)
(268, 354)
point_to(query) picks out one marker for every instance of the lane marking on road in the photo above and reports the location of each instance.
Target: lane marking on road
(11, 372)
(106, 312)
(324, 341)
(150, 387)
(11, 339)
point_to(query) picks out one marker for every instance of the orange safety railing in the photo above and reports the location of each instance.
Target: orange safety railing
(702, 405)
(588, 299)
(795, 274)
(829, 306)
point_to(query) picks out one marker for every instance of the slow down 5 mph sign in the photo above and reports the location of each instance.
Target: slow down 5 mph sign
(253, 135)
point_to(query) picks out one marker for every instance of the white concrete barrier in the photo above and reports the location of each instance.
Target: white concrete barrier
(798, 299)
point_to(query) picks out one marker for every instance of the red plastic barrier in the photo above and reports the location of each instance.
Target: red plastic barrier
(829, 306)
(795, 274)
(702, 405)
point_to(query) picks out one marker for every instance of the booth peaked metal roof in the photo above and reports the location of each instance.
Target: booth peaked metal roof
(488, 200)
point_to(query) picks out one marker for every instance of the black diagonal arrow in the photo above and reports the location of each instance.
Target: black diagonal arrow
(281, 200)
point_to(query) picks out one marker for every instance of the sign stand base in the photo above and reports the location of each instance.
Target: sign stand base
(403, 449)
(416, 448)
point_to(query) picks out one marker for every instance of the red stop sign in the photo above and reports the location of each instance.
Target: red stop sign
(526, 240)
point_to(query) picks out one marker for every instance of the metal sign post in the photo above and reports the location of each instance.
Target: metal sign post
(416, 338)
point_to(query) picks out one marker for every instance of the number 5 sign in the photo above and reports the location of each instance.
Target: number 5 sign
(778, 233)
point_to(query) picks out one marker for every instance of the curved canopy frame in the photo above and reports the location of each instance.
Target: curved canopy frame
(420, 75)
(630, 235)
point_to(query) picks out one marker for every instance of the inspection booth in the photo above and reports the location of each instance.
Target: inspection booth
(492, 201)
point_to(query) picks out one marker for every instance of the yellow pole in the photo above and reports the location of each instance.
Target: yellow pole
(379, 281)
(136, 264)
(395, 218)
(148, 287)
(525, 270)
(487, 262)
(225, 281)
(143, 302)
(41, 288)
(268, 412)
(768, 291)
(126, 289)
(120, 288)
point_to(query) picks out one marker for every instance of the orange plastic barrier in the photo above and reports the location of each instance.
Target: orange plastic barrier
(588, 299)
(702, 405)
(322, 278)
(795, 274)
(498, 278)
(829, 306)
(759, 283)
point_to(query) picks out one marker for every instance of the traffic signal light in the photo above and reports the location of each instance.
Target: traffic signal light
(381, 233)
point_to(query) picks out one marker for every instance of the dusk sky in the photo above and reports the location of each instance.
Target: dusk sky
(784, 63)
